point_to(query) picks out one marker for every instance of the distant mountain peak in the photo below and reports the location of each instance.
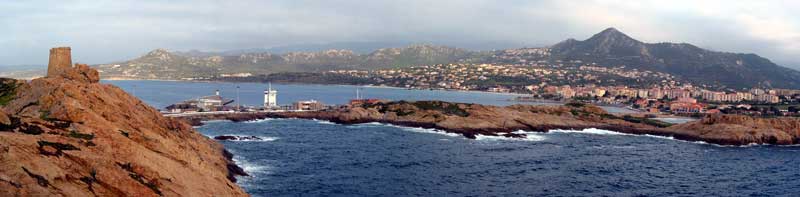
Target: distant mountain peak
(161, 54)
(609, 42)
(611, 30)
(158, 52)
(612, 35)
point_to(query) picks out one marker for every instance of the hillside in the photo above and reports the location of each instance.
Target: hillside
(700, 66)
(162, 64)
(68, 135)
(609, 48)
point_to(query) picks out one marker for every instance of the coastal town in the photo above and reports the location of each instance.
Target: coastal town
(644, 91)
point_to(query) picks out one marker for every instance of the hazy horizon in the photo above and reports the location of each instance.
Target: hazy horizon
(103, 32)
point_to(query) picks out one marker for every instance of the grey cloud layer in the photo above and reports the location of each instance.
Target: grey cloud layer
(116, 30)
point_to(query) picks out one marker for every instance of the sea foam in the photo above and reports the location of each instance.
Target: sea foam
(405, 128)
(594, 131)
(323, 121)
(259, 120)
(529, 136)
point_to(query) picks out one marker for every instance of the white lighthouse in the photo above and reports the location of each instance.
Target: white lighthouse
(270, 98)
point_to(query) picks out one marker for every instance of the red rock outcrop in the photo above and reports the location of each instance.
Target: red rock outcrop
(68, 135)
(473, 119)
(740, 129)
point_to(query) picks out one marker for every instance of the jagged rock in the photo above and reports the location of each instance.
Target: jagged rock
(159, 155)
(81, 73)
(60, 66)
(237, 138)
(740, 129)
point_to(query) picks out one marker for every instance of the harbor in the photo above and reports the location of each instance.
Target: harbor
(217, 105)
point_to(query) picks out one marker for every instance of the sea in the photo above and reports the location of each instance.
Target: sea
(297, 157)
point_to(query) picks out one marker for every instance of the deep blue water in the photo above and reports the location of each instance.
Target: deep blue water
(315, 158)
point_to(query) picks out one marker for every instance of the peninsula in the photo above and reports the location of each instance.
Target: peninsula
(471, 120)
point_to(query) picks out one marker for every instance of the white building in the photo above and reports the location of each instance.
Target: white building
(270, 98)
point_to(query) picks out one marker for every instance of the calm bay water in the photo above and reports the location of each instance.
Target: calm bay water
(162, 93)
(317, 158)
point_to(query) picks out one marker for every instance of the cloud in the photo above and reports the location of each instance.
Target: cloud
(104, 31)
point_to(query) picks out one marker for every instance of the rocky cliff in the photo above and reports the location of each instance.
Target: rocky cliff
(740, 129)
(68, 135)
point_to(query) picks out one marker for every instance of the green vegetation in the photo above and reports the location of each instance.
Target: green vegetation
(575, 104)
(446, 108)
(74, 134)
(57, 146)
(60, 148)
(8, 90)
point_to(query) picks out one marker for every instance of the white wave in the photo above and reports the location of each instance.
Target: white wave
(261, 138)
(594, 131)
(737, 146)
(529, 136)
(259, 120)
(660, 137)
(251, 168)
(323, 121)
(589, 131)
(405, 128)
(368, 125)
(424, 130)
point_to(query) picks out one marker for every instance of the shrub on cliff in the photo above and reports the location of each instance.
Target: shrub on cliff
(444, 107)
(8, 89)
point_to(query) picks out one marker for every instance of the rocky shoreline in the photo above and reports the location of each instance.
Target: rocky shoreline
(471, 120)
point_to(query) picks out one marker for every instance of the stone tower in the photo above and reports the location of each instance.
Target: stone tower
(60, 61)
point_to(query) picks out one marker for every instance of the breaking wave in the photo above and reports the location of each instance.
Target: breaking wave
(259, 120)
(424, 130)
(405, 128)
(594, 131)
(529, 136)
(254, 169)
(322, 121)
(589, 131)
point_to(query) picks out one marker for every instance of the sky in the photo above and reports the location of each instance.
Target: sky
(107, 31)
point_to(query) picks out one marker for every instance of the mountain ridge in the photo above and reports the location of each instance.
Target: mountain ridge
(610, 48)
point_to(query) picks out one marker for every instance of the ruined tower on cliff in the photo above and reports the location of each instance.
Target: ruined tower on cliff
(60, 61)
(60, 67)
